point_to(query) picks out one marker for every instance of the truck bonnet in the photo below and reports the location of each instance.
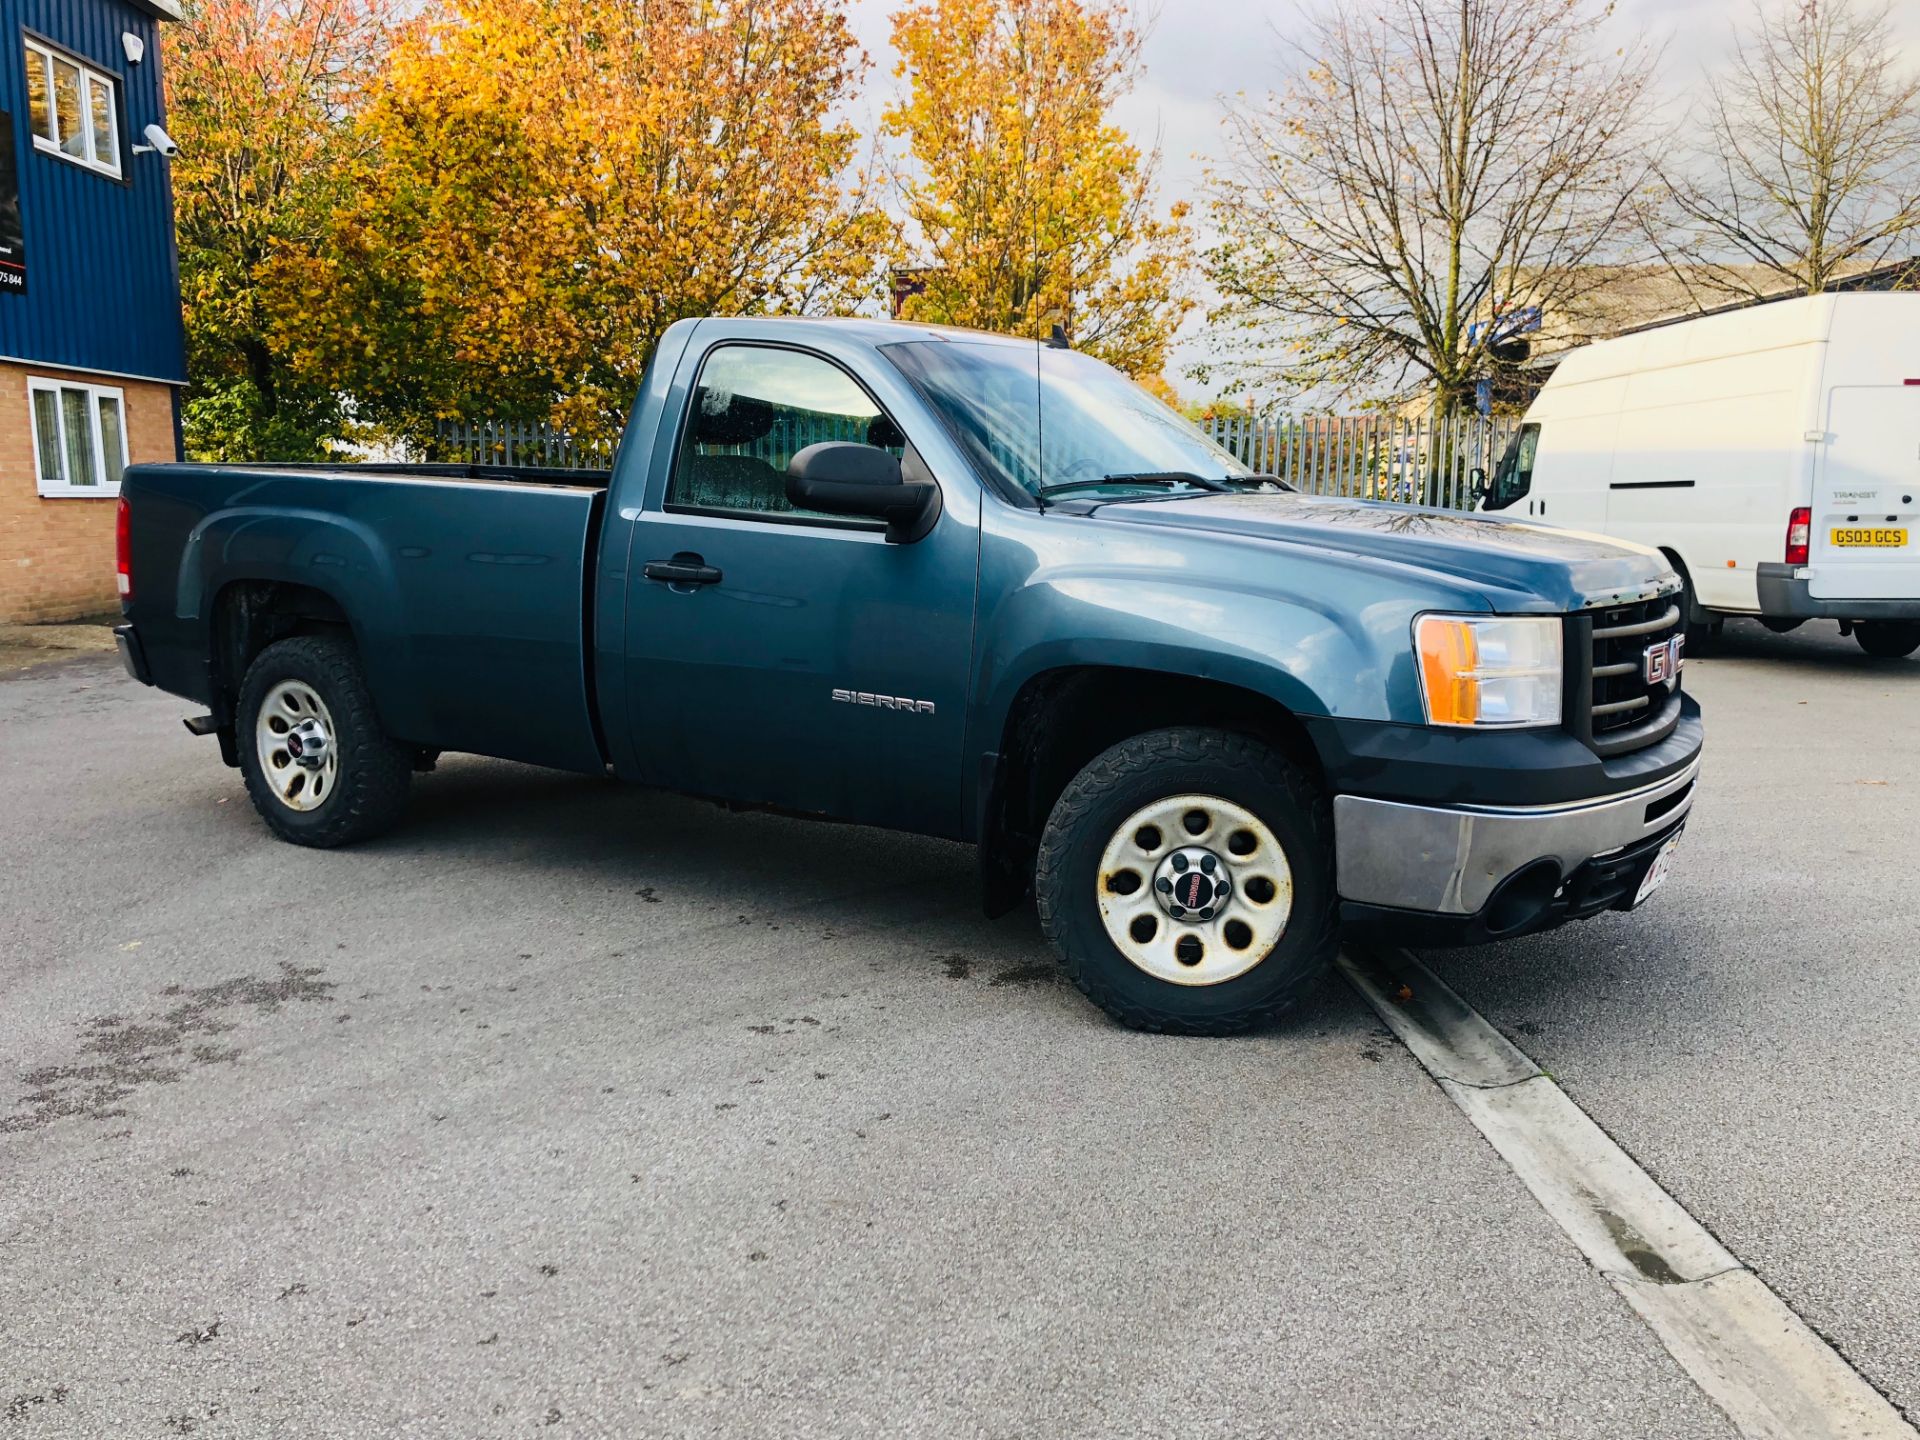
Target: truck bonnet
(1568, 569)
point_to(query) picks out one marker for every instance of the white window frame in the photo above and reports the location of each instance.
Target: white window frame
(90, 77)
(57, 487)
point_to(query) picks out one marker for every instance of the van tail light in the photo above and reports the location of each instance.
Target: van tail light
(1799, 527)
(123, 549)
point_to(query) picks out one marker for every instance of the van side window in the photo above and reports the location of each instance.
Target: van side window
(1514, 478)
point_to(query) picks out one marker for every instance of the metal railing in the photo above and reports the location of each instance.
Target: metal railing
(498, 442)
(1370, 457)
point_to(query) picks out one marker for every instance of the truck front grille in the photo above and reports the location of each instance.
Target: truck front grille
(1617, 709)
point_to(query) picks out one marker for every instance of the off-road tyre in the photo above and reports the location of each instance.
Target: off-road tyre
(369, 792)
(1888, 639)
(1187, 761)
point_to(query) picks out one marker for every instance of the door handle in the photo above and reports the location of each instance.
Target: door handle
(682, 569)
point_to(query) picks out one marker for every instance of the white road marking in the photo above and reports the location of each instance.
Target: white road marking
(1734, 1337)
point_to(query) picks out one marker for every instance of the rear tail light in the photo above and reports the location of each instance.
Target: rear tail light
(1799, 527)
(123, 550)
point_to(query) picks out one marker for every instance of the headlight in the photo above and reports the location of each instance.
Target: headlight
(1489, 669)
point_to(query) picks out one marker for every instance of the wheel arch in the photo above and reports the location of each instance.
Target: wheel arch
(245, 617)
(1697, 615)
(1064, 716)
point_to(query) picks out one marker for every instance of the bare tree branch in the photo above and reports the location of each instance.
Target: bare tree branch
(1807, 166)
(1430, 163)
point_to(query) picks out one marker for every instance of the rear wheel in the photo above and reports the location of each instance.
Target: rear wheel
(318, 767)
(1888, 639)
(1186, 878)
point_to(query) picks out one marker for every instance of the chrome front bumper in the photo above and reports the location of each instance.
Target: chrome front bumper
(1449, 860)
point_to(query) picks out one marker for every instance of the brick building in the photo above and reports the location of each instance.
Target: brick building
(92, 356)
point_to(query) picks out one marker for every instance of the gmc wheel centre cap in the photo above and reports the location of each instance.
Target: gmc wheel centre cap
(1191, 884)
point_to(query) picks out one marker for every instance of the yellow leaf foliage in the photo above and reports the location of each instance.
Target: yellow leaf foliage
(258, 95)
(549, 184)
(1027, 205)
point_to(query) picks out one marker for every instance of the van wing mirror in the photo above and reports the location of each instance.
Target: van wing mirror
(839, 477)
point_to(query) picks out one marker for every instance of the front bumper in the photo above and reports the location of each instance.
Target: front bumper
(1462, 874)
(1786, 594)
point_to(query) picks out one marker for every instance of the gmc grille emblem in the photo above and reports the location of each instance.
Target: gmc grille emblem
(1661, 664)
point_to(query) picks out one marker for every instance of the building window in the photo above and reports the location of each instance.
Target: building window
(74, 109)
(79, 437)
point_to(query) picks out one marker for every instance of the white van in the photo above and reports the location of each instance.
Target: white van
(1772, 452)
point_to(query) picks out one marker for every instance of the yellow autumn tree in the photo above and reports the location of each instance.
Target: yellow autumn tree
(552, 183)
(1028, 206)
(261, 96)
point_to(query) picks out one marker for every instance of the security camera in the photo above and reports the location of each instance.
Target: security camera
(157, 140)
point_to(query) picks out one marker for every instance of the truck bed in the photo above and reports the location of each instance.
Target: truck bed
(570, 479)
(469, 587)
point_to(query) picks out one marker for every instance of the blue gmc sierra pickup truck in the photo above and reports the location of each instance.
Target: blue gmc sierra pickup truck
(968, 586)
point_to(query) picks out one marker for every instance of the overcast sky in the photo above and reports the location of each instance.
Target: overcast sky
(1198, 51)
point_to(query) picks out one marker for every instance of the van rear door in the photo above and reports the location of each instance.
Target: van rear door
(1865, 543)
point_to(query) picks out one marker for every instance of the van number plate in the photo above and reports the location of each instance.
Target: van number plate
(1868, 538)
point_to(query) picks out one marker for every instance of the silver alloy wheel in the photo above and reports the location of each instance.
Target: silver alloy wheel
(1194, 890)
(298, 754)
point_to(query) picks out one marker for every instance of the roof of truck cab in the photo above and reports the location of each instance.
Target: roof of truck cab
(868, 330)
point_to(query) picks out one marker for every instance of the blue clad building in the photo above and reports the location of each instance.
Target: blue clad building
(92, 353)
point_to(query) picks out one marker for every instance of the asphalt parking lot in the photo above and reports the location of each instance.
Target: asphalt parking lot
(576, 1109)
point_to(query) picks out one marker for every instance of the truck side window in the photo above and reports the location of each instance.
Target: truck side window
(753, 408)
(1514, 477)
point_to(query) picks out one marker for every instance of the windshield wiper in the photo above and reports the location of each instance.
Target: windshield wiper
(1186, 477)
(1156, 479)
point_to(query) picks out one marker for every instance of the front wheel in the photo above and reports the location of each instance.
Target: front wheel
(1888, 639)
(1185, 877)
(318, 767)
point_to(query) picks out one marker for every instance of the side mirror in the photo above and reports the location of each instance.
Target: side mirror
(838, 477)
(1477, 483)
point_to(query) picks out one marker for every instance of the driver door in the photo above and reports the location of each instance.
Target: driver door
(808, 663)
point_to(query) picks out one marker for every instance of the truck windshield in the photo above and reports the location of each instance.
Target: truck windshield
(1062, 421)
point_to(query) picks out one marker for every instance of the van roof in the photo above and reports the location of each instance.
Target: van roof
(1776, 325)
